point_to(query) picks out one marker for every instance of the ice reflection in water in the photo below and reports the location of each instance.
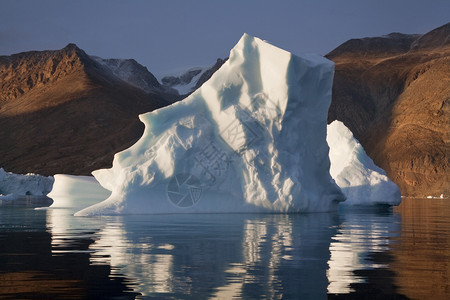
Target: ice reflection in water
(256, 239)
(229, 255)
(65, 228)
(149, 264)
(359, 234)
(222, 256)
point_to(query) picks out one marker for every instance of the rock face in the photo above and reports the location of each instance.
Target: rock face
(393, 93)
(251, 139)
(63, 112)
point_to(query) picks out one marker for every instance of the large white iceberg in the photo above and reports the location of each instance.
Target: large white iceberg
(251, 139)
(362, 182)
(360, 179)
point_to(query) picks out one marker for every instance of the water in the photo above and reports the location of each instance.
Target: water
(400, 253)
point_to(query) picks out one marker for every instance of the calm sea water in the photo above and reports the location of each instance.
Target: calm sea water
(399, 253)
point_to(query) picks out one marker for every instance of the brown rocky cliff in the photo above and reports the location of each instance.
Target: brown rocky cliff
(24, 72)
(393, 92)
(62, 112)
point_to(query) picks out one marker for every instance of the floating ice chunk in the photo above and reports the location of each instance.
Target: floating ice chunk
(29, 189)
(29, 184)
(354, 171)
(76, 192)
(251, 139)
(82, 187)
(436, 197)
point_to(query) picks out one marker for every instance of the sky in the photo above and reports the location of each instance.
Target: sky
(171, 35)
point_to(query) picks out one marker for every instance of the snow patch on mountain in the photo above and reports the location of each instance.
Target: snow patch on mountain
(184, 81)
(132, 73)
(187, 81)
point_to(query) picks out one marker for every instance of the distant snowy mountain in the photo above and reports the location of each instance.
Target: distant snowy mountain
(186, 82)
(133, 73)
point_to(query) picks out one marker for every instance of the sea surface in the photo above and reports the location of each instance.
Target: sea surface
(380, 253)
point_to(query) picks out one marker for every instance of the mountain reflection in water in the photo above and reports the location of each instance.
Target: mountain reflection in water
(421, 253)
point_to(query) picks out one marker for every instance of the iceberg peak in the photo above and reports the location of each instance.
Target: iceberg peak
(250, 139)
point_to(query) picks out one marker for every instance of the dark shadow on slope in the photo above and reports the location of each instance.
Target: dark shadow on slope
(75, 137)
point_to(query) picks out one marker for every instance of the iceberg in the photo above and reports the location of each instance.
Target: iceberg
(251, 139)
(362, 182)
(78, 188)
(29, 189)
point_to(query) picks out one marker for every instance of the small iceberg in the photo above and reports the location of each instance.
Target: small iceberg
(362, 182)
(24, 190)
(76, 192)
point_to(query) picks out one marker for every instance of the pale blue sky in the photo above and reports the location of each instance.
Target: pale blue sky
(165, 35)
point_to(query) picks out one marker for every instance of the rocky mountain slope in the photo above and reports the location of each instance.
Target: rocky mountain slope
(64, 112)
(393, 92)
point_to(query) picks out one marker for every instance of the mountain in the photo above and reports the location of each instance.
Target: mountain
(135, 74)
(188, 81)
(63, 111)
(393, 92)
